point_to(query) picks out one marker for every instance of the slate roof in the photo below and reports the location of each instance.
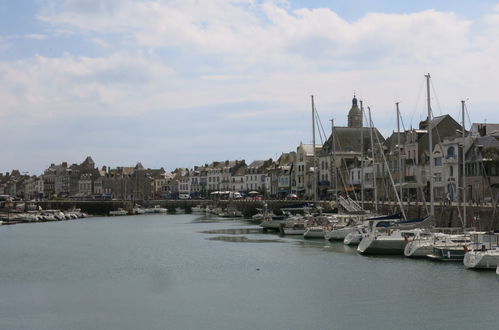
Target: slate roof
(348, 139)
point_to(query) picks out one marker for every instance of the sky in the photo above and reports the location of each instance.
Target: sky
(183, 83)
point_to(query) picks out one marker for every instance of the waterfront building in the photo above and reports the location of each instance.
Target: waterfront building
(281, 175)
(33, 188)
(452, 167)
(238, 175)
(417, 154)
(183, 180)
(256, 175)
(229, 169)
(85, 185)
(482, 163)
(340, 157)
(161, 185)
(49, 181)
(214, 176)
(62, 180)
(304, 170)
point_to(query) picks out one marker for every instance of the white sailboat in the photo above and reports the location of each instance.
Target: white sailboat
(454, 247)
(355, 237)
(386, 236)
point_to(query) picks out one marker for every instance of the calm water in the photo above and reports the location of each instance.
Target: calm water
(191, 272)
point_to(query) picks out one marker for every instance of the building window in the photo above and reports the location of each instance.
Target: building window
(451, 171)
(451, 152)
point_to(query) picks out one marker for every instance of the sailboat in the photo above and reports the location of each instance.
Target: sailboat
(389, 234)
(453, 247)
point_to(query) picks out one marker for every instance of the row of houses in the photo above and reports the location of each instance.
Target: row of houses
(355, 160)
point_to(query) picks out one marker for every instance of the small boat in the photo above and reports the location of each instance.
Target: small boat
(158, 209)
(296, 227)
(118, 212)
(484, 252)
(314, 232)
(198, 209)
(138, 210)
(451, 247)
(273, 222)
(355, 237)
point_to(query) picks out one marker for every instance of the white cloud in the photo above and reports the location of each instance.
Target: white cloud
(36, 36)
(42, 88)
(269, 32)
(261, 60)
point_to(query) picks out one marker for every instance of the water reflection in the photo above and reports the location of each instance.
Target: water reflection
(243, 239)
(237, 231)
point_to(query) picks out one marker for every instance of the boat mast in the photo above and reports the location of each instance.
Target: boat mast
(430, 146)
(333, 159)
(464, 168)
(314, 175)
(373, 163)
(362, 155)
(399, 150)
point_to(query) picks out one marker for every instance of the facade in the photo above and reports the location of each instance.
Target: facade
(256, 176)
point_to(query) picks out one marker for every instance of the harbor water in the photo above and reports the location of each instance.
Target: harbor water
(197, 272)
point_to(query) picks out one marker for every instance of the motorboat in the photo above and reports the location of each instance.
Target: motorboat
(118, 212)
(293, 227)
(138, 210)
(159, 209)
(273, 222)
(450, 247)
(198, 209)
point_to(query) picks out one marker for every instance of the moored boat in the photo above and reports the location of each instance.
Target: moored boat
(314, 232)
(118, 212)
(483, 253)
(355, 237)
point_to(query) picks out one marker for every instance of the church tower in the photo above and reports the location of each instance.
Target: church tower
(354, 115)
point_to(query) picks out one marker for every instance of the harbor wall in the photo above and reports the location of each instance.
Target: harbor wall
(481, 217)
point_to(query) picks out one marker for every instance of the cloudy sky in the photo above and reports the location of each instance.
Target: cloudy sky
(182, 83)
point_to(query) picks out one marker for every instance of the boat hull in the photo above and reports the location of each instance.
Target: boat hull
(481, 260)
(292, 231)
(339, 234)
(455, 253)
(373, 245)
(274, 224)
(353, 238)
(418, 249)
(311, 233)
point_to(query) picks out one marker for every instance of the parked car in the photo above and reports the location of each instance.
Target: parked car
(292, 196)
(184, 196)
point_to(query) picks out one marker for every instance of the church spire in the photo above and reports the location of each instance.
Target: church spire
(354, 115)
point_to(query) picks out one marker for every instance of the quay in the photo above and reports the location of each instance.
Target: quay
(481, 216)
